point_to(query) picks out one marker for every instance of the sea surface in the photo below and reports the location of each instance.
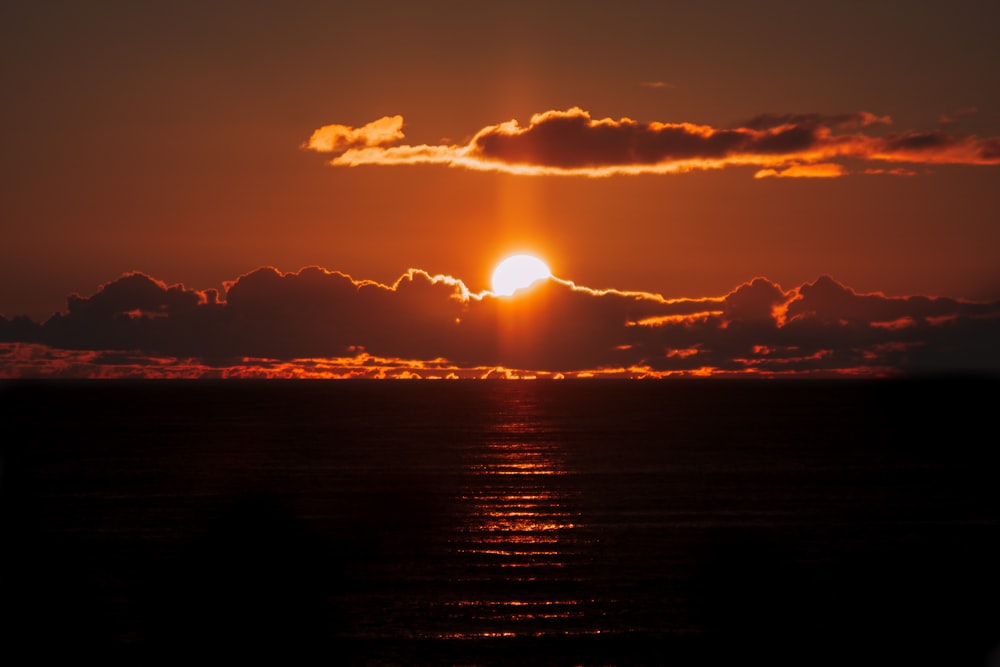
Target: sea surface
(598, 522)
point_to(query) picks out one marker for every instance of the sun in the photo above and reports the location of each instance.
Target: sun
(517, 272)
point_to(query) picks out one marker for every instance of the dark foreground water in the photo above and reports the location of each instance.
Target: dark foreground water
(549, 523)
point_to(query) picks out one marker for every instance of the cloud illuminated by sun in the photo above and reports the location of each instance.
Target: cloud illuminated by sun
(572, 142)
(321, 323)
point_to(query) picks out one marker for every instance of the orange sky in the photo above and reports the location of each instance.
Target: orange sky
(170, 139)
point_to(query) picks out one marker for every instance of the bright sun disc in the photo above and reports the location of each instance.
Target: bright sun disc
(518, 272)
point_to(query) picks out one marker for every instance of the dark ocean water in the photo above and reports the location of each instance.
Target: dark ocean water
(474, 522)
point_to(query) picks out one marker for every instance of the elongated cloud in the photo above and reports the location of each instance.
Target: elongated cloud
(321, 323)
(571, 142)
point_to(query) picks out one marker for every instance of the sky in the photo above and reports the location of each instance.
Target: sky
(666, 160)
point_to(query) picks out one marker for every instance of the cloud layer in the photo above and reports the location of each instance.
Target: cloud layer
(316, 322)
(571, 142)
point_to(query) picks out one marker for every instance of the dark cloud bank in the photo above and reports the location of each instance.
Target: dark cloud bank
(316, 320)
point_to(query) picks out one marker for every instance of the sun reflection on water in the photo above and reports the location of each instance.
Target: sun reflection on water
(519, 533)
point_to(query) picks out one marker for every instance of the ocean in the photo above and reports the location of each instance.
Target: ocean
(584, 522)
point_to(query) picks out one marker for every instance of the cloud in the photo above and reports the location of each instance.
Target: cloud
(321, 323)
(818, 170)
(957, 116)
(571, 142)
(335, 138)
(838, 121)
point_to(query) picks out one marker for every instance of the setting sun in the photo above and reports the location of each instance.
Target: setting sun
(517, 272)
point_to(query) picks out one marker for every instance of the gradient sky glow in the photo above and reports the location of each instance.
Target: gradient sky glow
(676, 152)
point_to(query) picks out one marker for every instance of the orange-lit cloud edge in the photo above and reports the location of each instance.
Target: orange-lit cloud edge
(572, 143)
(316, 323)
